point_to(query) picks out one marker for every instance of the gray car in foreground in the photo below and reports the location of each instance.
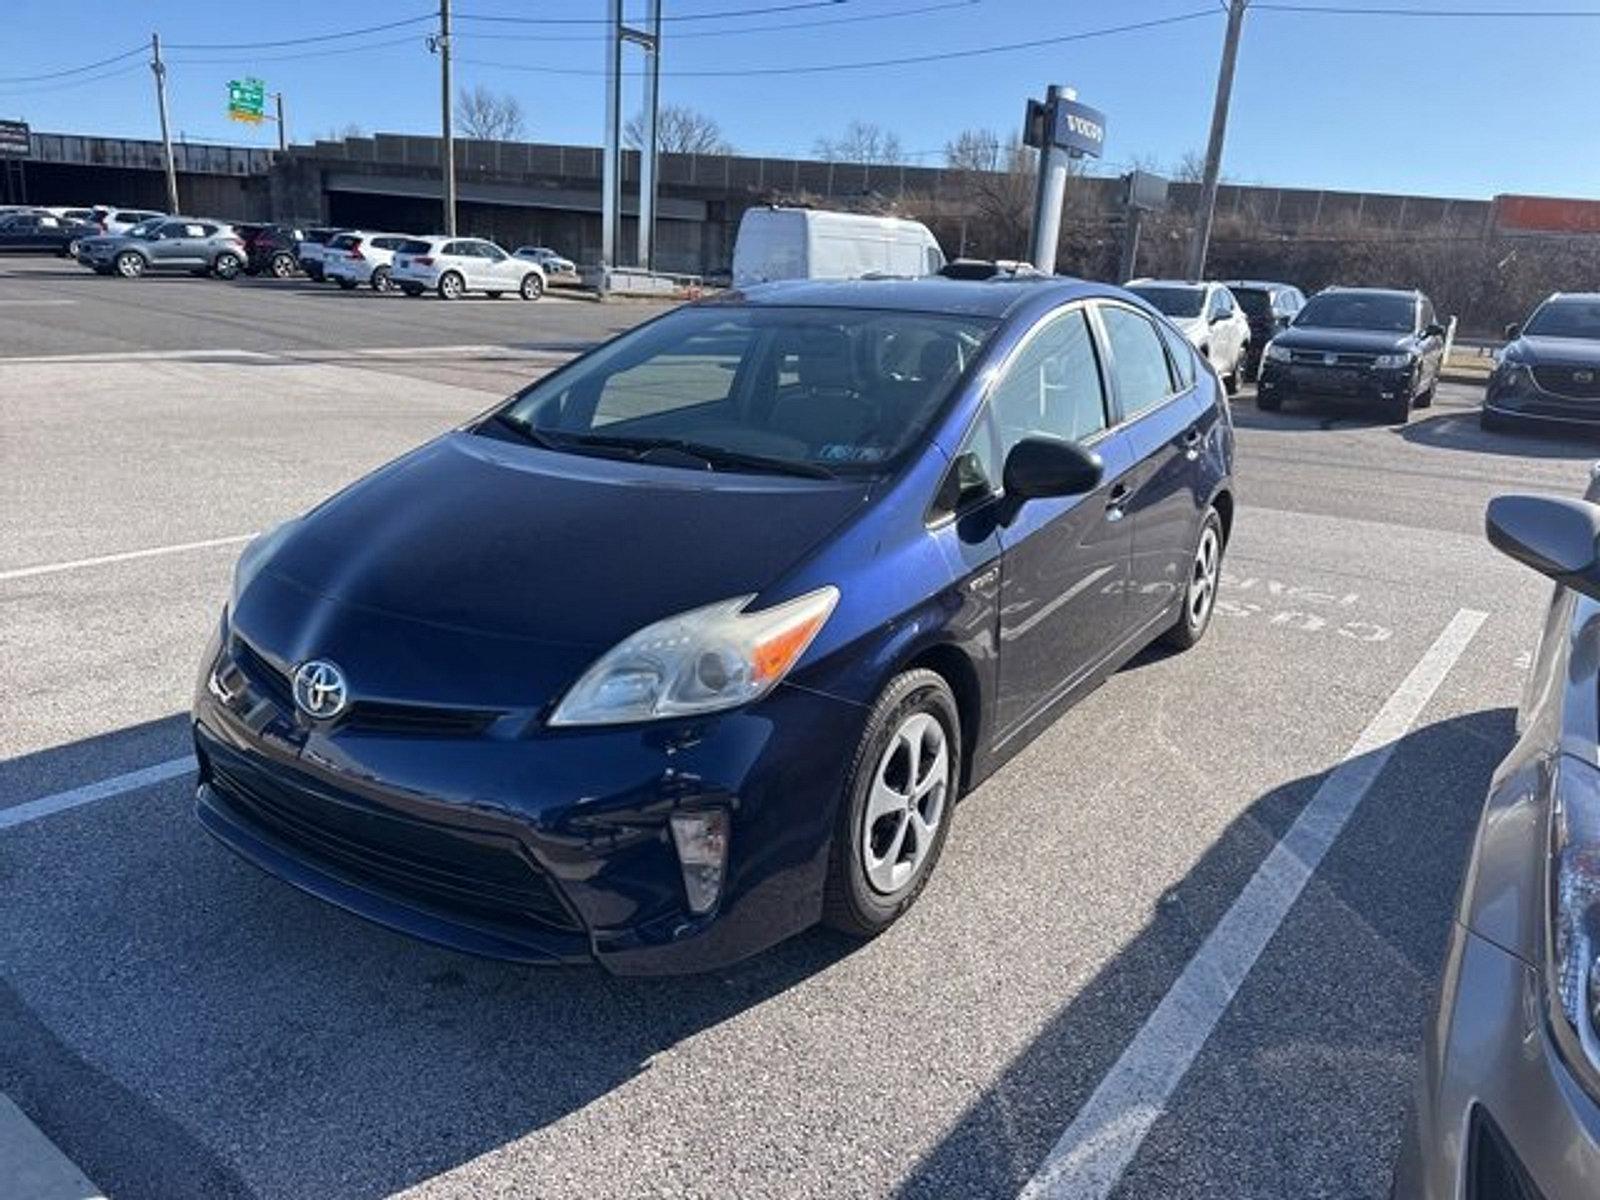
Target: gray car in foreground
(1508, 1106)
(193, 244)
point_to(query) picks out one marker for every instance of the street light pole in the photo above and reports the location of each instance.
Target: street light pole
(159, 68)
(447, 119)
(1219, 131)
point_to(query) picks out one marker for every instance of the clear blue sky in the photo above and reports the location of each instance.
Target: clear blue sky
(1466, 107)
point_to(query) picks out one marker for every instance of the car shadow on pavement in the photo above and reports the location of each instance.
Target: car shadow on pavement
(1461, 431)
(1301, 1088)
(183, 1025)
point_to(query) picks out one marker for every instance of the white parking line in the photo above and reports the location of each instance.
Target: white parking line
(45, 806)
(1089, 1159)
(126, 556)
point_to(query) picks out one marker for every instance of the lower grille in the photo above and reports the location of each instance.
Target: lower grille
(1577, 383)
(1493, 1169)
(459, 872)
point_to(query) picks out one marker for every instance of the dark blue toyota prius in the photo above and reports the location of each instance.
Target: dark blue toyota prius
(696, 641)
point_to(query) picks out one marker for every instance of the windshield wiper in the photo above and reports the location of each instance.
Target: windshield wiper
(712, 456)
(525, 431)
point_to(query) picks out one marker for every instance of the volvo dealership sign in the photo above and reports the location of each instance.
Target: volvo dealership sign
(14, 140)
(1065, 124)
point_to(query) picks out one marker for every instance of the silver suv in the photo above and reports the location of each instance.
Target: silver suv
(194, 244)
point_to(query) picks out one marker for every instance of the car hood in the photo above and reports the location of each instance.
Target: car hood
(1554, 351)
(486, 537)
(1371, 341)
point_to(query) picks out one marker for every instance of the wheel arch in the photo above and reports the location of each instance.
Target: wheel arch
(953, 665)
(1222, 501)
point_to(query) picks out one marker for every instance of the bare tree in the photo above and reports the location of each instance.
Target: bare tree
(679, 130)
(334, 133)
(488, 115)
(973, 150)
(863, 142)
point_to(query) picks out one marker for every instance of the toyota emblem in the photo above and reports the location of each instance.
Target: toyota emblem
(319, 690)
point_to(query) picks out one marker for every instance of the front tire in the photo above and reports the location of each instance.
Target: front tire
(1399, 409)
(1200, 596)
(381, 281)
(896, 810)
(1268, 401)
(282, 265)
(532, 287)
(451, 286)
(1425, 399)
(130, 264)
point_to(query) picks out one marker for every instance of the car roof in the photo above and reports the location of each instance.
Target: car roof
(994, 297)
(1196, 284)
(1574, 297)
(1398, 293)
(1264, 284)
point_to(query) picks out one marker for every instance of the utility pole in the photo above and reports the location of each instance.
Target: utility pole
(447, 117)
(648, 158)
(283, 130)
(159, 68)
(1052, 194)
(1219, 132)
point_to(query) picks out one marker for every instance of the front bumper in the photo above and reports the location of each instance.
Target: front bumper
(1346, 382)
(1494, 1098)
(529, 844)
(1521, 397)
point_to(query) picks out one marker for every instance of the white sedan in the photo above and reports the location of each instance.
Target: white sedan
(1208, 316)
(454, 266)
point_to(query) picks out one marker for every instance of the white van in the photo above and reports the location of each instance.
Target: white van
(808, 243)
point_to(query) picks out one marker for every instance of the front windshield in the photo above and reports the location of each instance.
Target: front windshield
(1359, 310)
(1173, 301)
(1566, 319)
(813, 389)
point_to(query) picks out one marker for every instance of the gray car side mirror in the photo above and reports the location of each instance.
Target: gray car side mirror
(1554, 535)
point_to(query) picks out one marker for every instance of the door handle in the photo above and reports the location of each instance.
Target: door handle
(1116, 502)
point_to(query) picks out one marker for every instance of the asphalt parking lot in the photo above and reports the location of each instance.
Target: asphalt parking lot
(1075, 1008)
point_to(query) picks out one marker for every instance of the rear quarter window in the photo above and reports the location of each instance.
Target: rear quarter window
(413, 246)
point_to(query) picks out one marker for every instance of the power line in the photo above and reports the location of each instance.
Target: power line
(331, 52)
(1354, 10)
(104, 62)
(306, 41)
(910, 60)
(719, 15)
(687, 34)
(59, 85)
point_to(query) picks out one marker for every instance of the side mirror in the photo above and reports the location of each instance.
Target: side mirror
(1434, 330)
(1046, 466)
(1513, 331)
(1554, 535)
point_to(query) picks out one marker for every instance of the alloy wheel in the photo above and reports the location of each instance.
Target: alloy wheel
(1203, 585)
(906, 803)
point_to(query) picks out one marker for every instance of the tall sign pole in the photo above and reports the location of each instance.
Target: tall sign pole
(283, 130)
(611, 156)
(159, 68)
(1219, 132)
(651, 41)
(447, 120)
(1062, 129)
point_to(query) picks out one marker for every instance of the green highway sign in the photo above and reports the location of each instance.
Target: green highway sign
(247, 100)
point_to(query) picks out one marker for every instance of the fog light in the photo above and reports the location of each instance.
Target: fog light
(702, 841)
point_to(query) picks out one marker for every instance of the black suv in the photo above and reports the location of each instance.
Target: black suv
(1549, 369)
(1269, 307)
(1372, 344)
(270, 249)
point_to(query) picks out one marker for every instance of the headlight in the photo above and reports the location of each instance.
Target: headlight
(701, 661)
(1574, 941)
(255, 557)
(1277, 353)
(1511, 373)
(1392, 362)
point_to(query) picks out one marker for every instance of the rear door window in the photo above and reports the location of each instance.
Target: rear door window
(1138, 360)
(1182, 354)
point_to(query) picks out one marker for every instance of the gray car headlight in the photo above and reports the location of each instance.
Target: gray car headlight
(1574, 937)
(701, 661)
(1392, 362)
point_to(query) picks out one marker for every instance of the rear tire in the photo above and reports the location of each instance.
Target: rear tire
(1200, 595)
(451, 286)
(532, 287)
(381, 281)
(895, 813)
(281, 265)
(227, 265)
(130, 264)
